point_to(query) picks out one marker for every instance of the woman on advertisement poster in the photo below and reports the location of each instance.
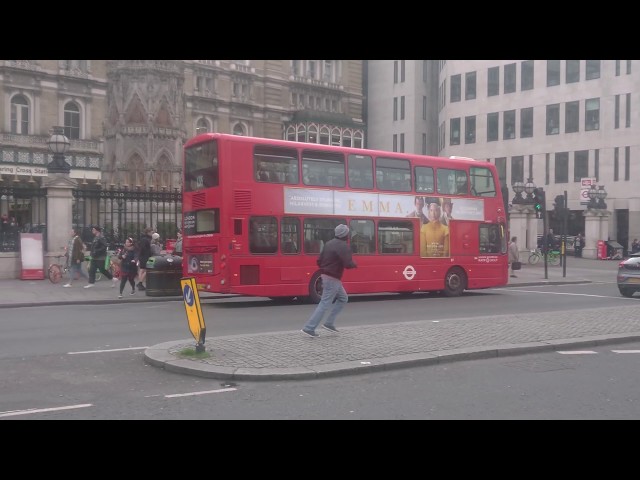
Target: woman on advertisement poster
(434, 236)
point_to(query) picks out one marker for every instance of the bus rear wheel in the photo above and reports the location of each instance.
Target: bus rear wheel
(455, 282)
(315, 289)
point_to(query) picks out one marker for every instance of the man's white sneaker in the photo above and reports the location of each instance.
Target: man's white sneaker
(90, 285)
(66, 285)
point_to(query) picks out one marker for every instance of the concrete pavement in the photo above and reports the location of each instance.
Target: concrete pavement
(291, 355)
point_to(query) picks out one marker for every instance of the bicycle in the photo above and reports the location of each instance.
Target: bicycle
(109, 265)
(553, 257)
(57, 270)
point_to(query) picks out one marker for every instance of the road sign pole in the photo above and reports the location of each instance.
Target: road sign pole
(565, 215)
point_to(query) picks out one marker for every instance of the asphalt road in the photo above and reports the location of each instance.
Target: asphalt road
(86, 362)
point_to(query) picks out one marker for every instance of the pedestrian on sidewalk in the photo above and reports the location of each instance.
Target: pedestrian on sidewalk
(334, 258)
(156, 248)
(75, 257)
(98, 257)
(128, 267)
(144, 252)
(514, 255)
(578, 245)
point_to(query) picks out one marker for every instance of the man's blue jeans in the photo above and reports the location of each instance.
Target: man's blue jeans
(332, 289)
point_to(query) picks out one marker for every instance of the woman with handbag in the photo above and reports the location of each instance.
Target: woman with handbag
(514, 256)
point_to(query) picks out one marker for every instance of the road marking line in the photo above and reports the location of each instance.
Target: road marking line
(563, 293)
(105, 351)
(42, 410)
(577, 352)
(200, 393)
(625, 351)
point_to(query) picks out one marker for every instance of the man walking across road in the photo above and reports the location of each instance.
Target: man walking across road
(334, 258)
(98, 257)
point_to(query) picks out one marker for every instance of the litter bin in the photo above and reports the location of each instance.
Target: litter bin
(163, 275)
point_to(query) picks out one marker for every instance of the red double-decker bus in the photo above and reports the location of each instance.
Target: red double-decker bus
(257, 212)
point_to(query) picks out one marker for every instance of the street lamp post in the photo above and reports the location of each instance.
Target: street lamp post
(593, 195)
(529, 188)
(518, 188)
(602, 194)
(58, 144)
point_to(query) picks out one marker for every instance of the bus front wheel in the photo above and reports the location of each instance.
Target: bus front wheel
(455, 282)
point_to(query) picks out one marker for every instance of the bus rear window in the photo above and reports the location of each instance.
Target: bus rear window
(201, 167)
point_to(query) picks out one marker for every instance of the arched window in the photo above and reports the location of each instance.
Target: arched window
(19, 115)
(238, 129)
(313, 133)
(324, 135)
(135, 175)
(291, 133)
(72, 121)
(357, 139)
(202, 126)
(302, 133)
(163, 173)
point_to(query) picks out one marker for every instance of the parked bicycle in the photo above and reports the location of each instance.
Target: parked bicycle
(553, 257)
(110, 264)
(58, 269)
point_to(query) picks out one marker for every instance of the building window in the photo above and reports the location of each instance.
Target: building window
(424, 107)
(547, 163)
(526, 122)
(442, 136)
(402, 142)
(395, 142)
(553, 73)
(617, 68)
(493, 81)
(509, 125)
(470, 86)
(526, 75)
(454, 138)
(627, 163)
(573, 71)
(456, 88)
(580, 165)
(395, 108)
(19, 115)
(592, 114)
(492, 126)
(616, 164)
(616, 112)
(553, 119)
(627, 122)
(593, 69)
(517, 169)
(510, 78)
(628, 67)
(402, 70)
(424, 144)
(596, 165)
(562, 167)
(72, 121)
(395, 71)
(470, 129)
(571, 117)
(202, 126)
(402, 107)
(238, 129)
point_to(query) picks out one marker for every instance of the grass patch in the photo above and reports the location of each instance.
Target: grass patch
(190, 352)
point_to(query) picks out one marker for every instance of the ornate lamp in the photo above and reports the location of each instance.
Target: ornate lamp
(593, 195)
(602, 194)
(58, 144)
(529, 187)
(518, 188)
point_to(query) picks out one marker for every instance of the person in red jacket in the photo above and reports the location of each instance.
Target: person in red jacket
(334, 258)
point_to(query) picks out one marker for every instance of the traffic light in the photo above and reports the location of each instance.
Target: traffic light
(539, 203)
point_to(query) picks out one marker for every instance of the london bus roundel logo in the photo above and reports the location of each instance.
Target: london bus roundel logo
(409, 272)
